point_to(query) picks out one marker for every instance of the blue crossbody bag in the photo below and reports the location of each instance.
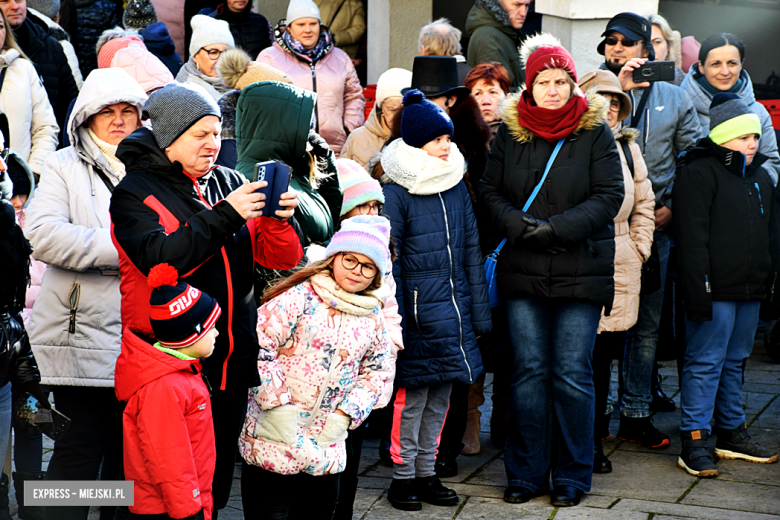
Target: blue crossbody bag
(492, 259)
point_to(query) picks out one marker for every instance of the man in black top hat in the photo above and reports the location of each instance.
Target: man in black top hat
(437, 78)
(668, 125)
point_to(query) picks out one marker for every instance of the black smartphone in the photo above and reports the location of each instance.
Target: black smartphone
(27, 410)
(278, 176)
(654, 71)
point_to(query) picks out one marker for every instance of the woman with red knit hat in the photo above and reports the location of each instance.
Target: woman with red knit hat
(552, 187)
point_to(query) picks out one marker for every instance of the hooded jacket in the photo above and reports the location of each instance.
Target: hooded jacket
(31, 120)
(767, 146)
(580, 198)
(159, 43)
(340, 105)
(440, 280)
(143, 66)
(366, 141)
(168, 430)
(634, 225)
(726, 228)
(492, 38)
(668, 127)
(160, 214)
(42, 48)
(319, 360)
(251, 31)
(260, 137)
(75, 326)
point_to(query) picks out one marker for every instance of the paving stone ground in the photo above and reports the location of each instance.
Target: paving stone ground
(645, 484)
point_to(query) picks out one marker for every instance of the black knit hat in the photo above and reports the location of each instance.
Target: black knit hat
(633, 27)
(180, 314)
(139, 14)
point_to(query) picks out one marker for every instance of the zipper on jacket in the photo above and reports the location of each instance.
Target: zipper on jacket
(231, 344)
(772, 288)
(452, 288)
(750, 223)
(416, 321)
(760, 203)
(316, 99)
(73, 302)
(707, 286)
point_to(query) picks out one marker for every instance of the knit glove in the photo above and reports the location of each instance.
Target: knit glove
(539, 234)
(335, 430)
(279, 424)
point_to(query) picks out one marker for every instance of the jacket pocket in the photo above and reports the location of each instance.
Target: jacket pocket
(73, 304)
(278, 424)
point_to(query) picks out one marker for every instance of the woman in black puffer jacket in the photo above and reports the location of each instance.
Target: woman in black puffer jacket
(555, 271)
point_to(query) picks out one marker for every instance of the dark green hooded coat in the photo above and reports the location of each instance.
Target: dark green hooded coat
(492, 38)
(273, 122)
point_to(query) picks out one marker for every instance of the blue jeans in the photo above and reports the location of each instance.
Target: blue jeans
(550, 429)
(712, 373)
(639, 355)
(5, 419)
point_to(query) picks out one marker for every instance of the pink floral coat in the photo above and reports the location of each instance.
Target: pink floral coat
(318, 359)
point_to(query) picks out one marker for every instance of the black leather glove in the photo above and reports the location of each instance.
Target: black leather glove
(540, 234)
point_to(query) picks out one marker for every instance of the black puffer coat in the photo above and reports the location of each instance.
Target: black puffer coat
(45, 51)
(726, 228)
(582, 195)
(251, 31)
(94, 17)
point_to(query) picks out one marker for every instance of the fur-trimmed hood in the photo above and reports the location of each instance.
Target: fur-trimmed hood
(625, 133)
(227, 105)
(592, 118)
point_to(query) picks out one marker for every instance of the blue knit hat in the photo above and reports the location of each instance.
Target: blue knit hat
(180, 314)
(367, 235)
(422, 121)
(730, 118)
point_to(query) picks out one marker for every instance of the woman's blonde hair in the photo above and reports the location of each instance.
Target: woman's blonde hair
(302, 274)
(10, 41)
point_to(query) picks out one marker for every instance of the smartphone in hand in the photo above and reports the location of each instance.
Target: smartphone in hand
(278, 176)
(654, 71)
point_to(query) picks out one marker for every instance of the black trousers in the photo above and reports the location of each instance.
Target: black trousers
(228, 408)
(349, 477)
(266, 495)
(608, 346)
(91, 448)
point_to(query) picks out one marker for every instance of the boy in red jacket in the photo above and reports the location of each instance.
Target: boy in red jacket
(167, 426)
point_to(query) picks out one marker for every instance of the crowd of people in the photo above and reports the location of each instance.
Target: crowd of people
(183, 319)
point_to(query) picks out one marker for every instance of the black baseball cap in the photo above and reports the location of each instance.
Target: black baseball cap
(633, 27)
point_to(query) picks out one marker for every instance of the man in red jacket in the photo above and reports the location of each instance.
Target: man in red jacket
(174, 206)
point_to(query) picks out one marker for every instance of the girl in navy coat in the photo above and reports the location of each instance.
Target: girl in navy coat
(441, 292)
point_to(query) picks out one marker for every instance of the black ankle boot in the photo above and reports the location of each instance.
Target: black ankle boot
(661, 402)
(27, 512)
(4, 513)
(601, 463)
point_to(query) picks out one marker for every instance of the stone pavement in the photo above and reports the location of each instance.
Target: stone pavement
(645, 484)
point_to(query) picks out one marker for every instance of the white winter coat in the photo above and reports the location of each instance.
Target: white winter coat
(68, 225)
(24, 101)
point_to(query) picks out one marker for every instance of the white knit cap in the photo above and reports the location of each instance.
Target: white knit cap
(302, 9)
(390, 84)
(208, 31)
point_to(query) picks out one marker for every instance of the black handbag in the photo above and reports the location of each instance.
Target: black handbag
(651, 269)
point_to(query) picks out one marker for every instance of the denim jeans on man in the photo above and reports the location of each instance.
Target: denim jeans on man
(639, 356)
(712, 374)
(550, 430)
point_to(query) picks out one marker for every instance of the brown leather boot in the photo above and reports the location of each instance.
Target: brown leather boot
(473, 426)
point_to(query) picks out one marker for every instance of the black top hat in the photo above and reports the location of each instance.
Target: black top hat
(633, 27)
(436, 76)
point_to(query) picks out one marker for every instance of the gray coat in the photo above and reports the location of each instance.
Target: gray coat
(69, 228)
(668, 126)
(702, 99)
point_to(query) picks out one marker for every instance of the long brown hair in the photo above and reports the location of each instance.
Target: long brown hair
(302, 274)
(10, 41)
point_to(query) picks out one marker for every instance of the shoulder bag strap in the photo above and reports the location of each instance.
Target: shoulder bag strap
(104, 178)
(544, 177)
(641, 107)
(629, 157)
(336, 13)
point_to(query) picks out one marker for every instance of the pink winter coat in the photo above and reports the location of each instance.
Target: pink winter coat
(313, 360)
(340, 100)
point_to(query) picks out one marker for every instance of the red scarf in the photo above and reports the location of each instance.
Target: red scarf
(550, 125)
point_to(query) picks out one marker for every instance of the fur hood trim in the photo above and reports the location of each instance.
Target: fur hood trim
(592, 118)
(627, 134)
(495, 8)
(227, 105)
(535, 42)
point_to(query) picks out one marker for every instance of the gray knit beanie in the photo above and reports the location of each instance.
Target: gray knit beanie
(175, 108)
(49, 8)
(302, 9)
(139, 14)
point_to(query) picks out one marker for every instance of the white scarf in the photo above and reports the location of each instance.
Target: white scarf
(334, 296)
(109, 152)
(420, 173)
